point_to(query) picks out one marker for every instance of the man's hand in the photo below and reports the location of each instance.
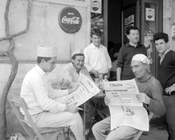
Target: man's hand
(107, 100)
(170, 89)
(142, 97)
(73, 88)
(71, 107)
(96, 73)
(64, 84)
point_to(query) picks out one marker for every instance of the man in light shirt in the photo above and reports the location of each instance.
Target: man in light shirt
(71, 71)
(41, 99)
(97, 59)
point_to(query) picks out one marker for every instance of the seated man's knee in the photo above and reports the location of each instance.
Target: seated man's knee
(95, 128)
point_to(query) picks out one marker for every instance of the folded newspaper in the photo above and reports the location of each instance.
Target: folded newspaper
(86, 90)
(125, 108)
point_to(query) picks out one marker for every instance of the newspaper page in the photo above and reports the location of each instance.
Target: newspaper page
(124, 107)
(122, 92)
(86, 90)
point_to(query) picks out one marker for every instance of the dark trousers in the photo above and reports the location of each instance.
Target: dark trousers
(170, 115)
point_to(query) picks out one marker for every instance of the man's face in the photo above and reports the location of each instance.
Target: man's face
(161, 46)
(133, 36)
(139, 69)
(96, 40)
(78, 62)
(49, 65)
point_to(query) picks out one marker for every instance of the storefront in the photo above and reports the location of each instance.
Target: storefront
(147, 15)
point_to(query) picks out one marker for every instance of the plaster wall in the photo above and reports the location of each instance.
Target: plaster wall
(44, 30)
(169, 19)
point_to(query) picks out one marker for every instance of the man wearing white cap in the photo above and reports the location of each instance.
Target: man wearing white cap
(36, 91)
(71, 72)
(150, 94)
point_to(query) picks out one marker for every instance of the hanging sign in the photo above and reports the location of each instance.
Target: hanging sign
(70, 20)
(96, 6)
(150, 14)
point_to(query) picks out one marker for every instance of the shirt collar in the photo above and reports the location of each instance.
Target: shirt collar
(94, 47)
(162, 56)
(144, 79)
(40, 70)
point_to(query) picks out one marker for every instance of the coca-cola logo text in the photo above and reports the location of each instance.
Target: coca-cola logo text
(70, 20)
(73, 20)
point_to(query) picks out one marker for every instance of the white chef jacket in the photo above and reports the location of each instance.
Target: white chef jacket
(38, 94)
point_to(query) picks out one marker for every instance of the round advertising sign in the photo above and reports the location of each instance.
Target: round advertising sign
(70, 20)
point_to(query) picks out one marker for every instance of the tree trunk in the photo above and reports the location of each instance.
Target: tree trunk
(3, 98)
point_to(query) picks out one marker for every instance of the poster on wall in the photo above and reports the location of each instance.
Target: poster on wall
(96, 6)
(129, 20)
(150, 14)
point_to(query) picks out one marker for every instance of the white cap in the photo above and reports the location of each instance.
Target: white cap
(77, 51)
(45, 51)
(141, 58)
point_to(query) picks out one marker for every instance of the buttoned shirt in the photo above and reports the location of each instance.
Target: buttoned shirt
(97, 58)
(38, 94)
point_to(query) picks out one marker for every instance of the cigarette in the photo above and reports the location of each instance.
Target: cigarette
(80, 108)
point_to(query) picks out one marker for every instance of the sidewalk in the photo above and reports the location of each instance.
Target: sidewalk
(157, 130)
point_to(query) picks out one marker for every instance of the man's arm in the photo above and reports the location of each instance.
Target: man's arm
(41, 91)
(156, 104)
(108, 60)
(118, 73)
(86, 60)
(120, 63)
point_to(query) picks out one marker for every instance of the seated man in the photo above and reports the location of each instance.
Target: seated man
(36, 91)
(150, 94)
(71, 73)
(72, 70)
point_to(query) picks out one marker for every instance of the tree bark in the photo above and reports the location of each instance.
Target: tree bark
(3, 99)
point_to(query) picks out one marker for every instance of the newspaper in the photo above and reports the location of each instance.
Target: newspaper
(86, 90)
(125, 108)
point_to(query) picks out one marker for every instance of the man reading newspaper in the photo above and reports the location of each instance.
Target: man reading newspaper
(129, 119)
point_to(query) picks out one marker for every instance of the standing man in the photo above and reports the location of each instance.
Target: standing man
(166, 76)
(150, 96)
(97, 59)
(36, 91)
(126, 53)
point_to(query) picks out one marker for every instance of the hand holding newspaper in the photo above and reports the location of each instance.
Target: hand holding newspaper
(125, 108)
(86, 89)
(122, 93)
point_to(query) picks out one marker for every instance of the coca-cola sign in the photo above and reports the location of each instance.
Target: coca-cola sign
(70, 20)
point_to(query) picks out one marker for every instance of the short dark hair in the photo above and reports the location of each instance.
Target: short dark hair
(96, 32)
(161, 35)
(128, 29)
(39, 59)
(78, 54)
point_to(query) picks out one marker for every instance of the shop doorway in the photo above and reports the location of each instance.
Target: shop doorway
(145, 14)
